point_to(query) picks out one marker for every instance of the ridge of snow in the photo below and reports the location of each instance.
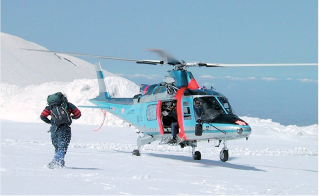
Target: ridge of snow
(31, 100)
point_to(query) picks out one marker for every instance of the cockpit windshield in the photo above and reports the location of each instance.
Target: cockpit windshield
(208, 108)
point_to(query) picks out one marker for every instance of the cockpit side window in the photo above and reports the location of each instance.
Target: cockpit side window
(211, 104)
(226, 104)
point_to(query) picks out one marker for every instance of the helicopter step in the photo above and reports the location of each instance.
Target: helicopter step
(165, 140)
(168, 141)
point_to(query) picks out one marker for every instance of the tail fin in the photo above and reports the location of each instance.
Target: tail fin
(100, 78)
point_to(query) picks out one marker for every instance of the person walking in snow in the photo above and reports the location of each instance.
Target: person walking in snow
(62, 112)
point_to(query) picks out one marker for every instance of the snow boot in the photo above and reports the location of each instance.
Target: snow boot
(58, 161)
(172, 141)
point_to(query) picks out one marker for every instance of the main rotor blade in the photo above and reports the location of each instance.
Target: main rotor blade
(152, 62)
(256, 65)
(167, 58)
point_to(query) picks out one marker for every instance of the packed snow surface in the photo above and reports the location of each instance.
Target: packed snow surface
(273, 161)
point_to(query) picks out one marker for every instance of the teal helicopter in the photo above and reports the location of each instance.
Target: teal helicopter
(201, 113)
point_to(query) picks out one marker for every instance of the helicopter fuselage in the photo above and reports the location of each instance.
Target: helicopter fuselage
(201, 113)
(145, 113)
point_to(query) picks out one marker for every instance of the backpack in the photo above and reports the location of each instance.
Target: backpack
(58, 107)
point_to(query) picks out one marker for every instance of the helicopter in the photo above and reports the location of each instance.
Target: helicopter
(147, 111)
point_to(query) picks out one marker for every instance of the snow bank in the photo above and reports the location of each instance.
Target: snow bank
(25, 104)
(268, 127)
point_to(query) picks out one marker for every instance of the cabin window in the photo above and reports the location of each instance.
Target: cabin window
(187, 113)
(151, 112)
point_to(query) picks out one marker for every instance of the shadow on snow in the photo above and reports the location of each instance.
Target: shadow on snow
(206, 162)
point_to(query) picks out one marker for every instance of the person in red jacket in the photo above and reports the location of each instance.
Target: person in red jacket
(61, 134)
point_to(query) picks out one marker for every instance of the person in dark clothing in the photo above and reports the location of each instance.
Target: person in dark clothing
(60, 135)
(174, 126)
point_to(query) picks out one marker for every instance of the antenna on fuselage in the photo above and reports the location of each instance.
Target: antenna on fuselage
(103, 94)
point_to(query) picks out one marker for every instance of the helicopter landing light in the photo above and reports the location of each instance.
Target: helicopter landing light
(239, 122)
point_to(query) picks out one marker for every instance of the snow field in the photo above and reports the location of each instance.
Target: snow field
(102, 163)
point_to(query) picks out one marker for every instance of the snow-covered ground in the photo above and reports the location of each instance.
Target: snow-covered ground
(272, 161)
(276, 159)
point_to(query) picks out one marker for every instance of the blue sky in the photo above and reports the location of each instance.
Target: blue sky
(237, 31)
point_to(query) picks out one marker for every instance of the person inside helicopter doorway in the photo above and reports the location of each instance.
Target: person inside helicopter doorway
(171, 112)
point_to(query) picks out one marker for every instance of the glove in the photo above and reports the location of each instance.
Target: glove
(53, 128)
